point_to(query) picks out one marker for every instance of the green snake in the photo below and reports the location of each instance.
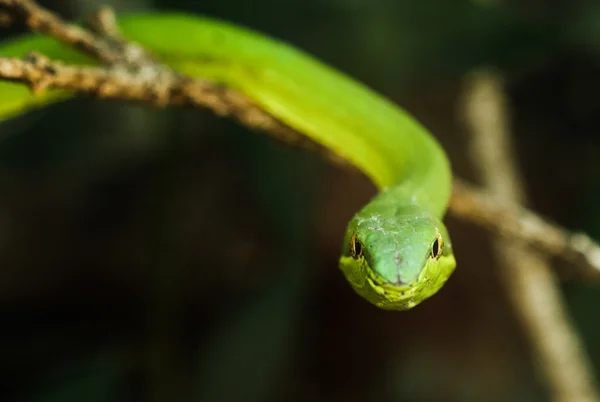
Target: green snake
(396, 252)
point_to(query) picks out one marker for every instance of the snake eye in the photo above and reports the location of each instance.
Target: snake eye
(437, 248)
(355, 247)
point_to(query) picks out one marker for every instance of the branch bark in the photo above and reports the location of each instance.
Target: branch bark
(514, 222)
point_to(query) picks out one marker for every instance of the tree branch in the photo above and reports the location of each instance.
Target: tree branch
(38, 19)
(530, 284)
(514, 222)
(129, 73)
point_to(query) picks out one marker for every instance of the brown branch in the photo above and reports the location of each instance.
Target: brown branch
(104, 23)
(516, 223)
(41, 20)
(530, 284)
(131, 74)
(103, 45)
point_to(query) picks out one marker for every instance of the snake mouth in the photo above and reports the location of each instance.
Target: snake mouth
(383, 287)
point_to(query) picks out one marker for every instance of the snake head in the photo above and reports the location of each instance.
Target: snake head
(397, 261)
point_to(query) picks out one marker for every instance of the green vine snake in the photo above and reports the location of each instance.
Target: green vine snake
(396, 252)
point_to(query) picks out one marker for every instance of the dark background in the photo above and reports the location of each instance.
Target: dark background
(175, 256)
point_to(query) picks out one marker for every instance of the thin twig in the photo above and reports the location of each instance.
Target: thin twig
(102, 46)
(41, 20)
(531, 285)
(104, 23)
(517, 223)
(130, 73)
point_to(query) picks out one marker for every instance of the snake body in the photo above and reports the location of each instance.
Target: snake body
(396, 251)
